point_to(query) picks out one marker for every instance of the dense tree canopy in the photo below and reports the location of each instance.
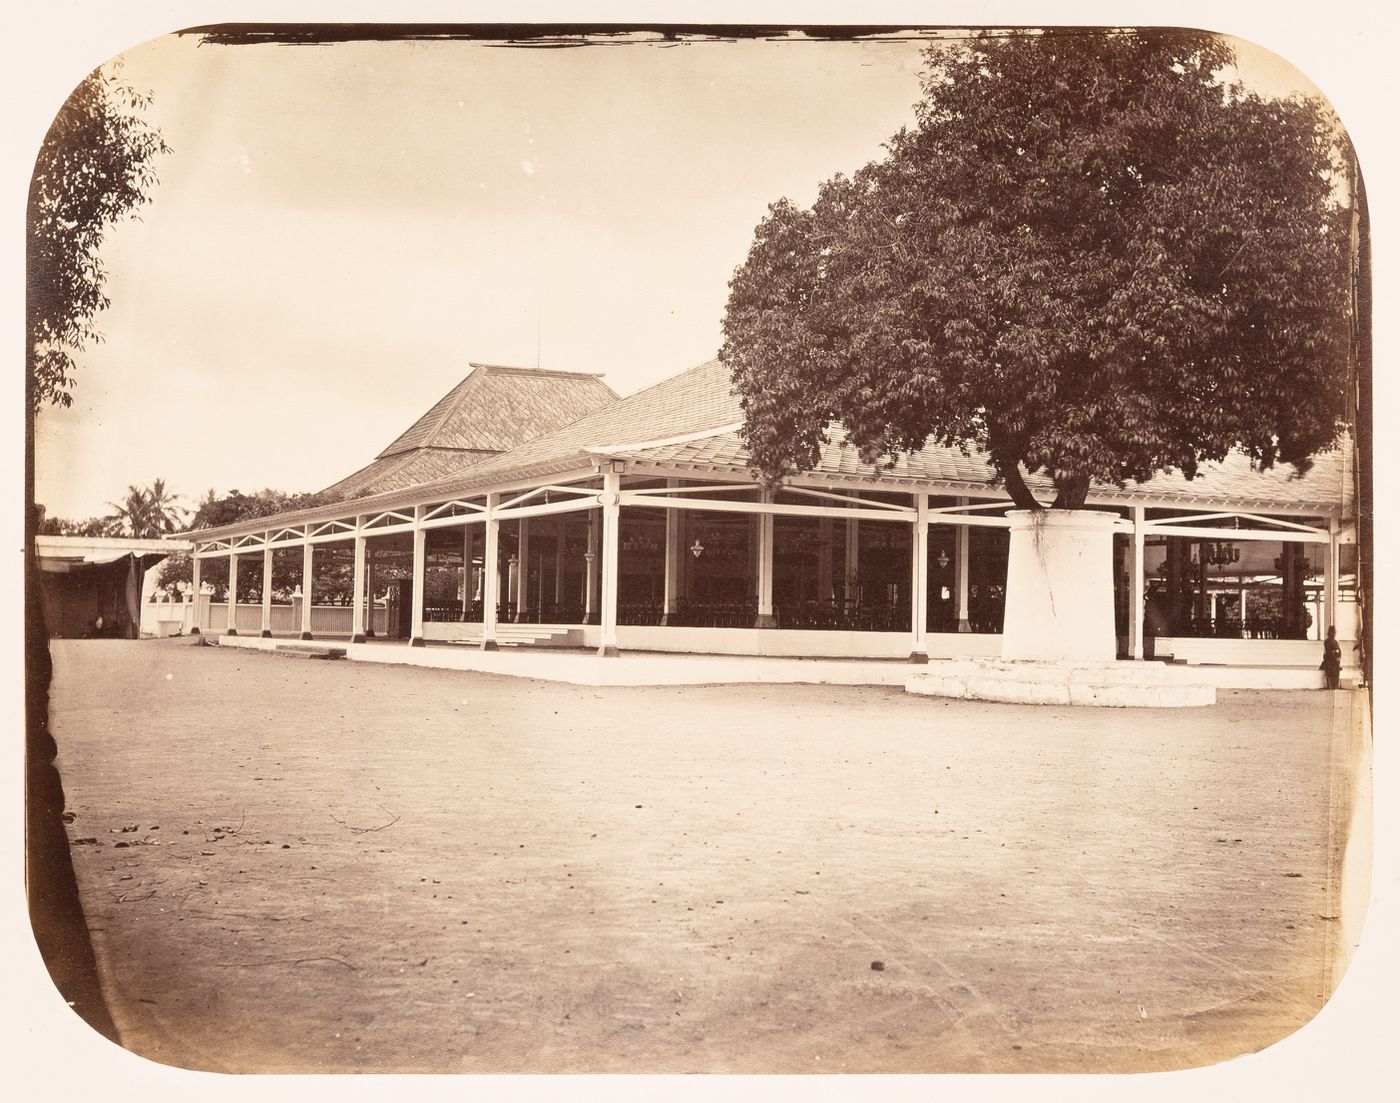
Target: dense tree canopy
(95, 167)
(1091, 257)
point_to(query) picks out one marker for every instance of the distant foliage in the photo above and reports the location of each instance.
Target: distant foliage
(93, 526)
(1090, 258)
(224, 509)
(334, 571)
(146, 513)
(95, 167)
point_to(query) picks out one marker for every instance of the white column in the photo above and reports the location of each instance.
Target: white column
(852, 559)
(194, 589)
(357, 593)
(765, 618)
(1137, 608)
(1331, 574)
(267, 587)
(824, 587)
(560, 531)
(307, 570)
(964, 570)
(420, 562)
(491, 575)
(370, 598)
(609, 499)
(522, 584)
(590, 576)
(671, 562)
(231, 628)
(466, 568)
(918, 582)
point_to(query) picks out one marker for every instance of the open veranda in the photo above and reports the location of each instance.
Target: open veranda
(318, 866)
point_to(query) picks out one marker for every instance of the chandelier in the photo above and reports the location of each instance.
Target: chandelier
(1221, 553)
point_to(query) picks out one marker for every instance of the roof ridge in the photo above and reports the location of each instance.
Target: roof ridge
(567, 373)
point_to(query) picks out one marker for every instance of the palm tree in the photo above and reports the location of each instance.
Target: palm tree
(149, 513)
(162, 510)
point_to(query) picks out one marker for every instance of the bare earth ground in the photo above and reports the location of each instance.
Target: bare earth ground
(291, 865)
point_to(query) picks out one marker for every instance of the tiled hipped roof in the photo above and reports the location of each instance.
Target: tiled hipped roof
(495, 408)
(687, 423)
(693, 401)
(1231, 483)
(422, 465)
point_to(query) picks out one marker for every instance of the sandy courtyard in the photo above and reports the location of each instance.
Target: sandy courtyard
(290, 865)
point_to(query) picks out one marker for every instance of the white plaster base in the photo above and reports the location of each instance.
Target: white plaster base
(1112, 684)
(1059, 586)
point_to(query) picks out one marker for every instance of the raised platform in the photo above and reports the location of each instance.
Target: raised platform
(631, 668)
(650, 668)
(1108, 685)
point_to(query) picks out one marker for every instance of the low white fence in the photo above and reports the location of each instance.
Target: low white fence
(1230, 652)
(167, 617)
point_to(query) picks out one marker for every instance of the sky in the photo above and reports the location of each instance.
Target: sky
(340, 230)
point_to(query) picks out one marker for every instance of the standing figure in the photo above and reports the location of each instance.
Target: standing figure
(1332, 659)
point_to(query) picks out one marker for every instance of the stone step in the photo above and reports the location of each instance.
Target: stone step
(1112, 685)
(309, 651)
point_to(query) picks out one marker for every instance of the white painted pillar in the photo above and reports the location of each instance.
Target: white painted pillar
(590, 577)
(420, 565)
(852, 561)
(918, 582)
(964, 571)
(671, 562)
(307, 571)
(370, 599)
(231, 628)
(610, 500)
(267, 588)
(825, 590)
(522, 584)
(357, 591)
(560, 532)
(195, 595)
(1331, 573)
(490, 574)
(765, 618)
(1137, 607)
(466, 568)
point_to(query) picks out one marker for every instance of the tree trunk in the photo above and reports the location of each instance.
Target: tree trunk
(1070, 491)
(1017, 488)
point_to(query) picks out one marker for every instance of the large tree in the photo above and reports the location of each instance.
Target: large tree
(1093, 257)
(95, 167)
